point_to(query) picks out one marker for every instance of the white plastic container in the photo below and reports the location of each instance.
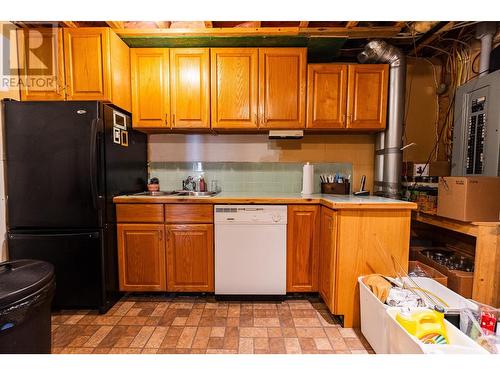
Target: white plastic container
(374, 318)
(401, 342)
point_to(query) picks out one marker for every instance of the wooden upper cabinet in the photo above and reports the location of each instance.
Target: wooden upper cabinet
(302, 248)
(190, 258)
(190, 87)
(141, 257)
(234, 87)
(282, 87)
(327, 256)
(41, 63)
(150, 87)
(97, 64)
(367, 93)
(326, 96)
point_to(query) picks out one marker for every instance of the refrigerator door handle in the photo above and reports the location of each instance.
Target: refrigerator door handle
(93, 161)
(26, 236)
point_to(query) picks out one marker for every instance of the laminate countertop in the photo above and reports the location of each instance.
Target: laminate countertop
(327, 200)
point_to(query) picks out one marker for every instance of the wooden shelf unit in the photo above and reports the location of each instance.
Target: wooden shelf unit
(486, 286)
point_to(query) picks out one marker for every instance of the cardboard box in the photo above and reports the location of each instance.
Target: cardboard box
(469, 198)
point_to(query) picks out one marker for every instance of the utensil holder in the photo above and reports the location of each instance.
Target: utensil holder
(343, 188)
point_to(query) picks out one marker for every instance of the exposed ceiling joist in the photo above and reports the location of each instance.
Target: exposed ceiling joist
(431, 35)
(304, 24)
(351, 24)
(116, 24)
(69, 23)
(341, 32)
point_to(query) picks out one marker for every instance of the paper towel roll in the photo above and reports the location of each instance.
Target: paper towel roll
(307, 179)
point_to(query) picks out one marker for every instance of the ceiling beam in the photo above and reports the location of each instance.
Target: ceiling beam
(303, 24)
(341, 32)
(115, 24)
(163, 24)
(69, 23)
(431, 36)
(208, 24)
(352, 24)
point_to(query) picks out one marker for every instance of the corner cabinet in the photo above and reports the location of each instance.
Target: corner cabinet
(282, 87)
(234, 87)
(141, 257)
(150, 87)
(42, 73)
(190, 87)
(303, 230)
(97, 66)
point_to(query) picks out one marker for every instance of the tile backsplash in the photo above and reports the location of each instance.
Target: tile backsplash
(244, 176)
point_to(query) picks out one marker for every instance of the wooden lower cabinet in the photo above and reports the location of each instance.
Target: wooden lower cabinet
(302, 248)
(141, 257)
(190, 257)
(327, 256)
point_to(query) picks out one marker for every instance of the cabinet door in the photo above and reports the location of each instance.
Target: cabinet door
(41, 63)
(190, 258)
(87, 63)
(282, 87)
(326, 96)
(327, 256)
(150, 87)
(190, 87)
(234, 83)
(302, 248)
(367, 96)
(141, 257)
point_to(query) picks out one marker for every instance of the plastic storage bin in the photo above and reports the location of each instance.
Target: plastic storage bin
(374, 318)
(401, 342)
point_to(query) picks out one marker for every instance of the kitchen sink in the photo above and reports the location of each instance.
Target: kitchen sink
(182, 193)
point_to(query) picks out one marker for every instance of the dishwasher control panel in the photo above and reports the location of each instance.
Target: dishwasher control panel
(245, 214)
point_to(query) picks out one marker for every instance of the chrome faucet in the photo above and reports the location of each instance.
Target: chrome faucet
(189, 184)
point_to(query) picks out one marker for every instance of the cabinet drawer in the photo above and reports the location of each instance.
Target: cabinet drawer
(139, 213)
(189, 213)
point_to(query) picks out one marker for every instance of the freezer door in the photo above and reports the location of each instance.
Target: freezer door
(52, 164)
(77, 259)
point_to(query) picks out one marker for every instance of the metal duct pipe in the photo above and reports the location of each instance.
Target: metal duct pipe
(485, 32)
(389, 158)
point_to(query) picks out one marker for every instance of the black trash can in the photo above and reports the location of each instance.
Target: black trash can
(26, 291)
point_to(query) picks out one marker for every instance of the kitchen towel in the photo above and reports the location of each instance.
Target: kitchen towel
(307, 179)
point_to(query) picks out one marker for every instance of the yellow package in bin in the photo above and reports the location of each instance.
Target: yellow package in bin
(426, 325)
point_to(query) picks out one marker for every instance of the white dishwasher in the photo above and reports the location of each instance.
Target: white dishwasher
(250, 249)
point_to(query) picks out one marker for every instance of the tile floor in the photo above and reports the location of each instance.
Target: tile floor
(198, 325)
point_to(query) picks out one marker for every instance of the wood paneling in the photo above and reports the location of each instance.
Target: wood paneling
(190, 87)
(41, 62)
(139, 213)
(87, 63)
(326, 96)
(367, 96)
(190, 258)
(120, 72)
(303, 231)
(486, 287)
(366, 239)
(189, 213)
(282, 87)
(327, 257)
(150, 87)
(141, 257)
(234, 87)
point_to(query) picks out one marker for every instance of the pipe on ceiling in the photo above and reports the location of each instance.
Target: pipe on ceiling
(388, 153)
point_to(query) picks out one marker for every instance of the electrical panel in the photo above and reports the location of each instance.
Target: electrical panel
(476, 128)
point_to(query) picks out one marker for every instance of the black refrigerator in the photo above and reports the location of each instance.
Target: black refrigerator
(65, 163)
